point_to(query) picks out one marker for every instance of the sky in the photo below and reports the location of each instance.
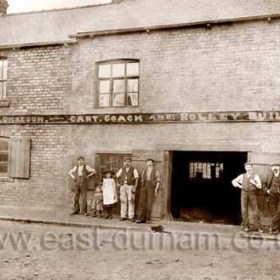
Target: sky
(19, 6)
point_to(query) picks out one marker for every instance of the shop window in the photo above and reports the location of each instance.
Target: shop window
(14, 157)
(118, 83)
(206, 170)
(112, 162)
(3, 77)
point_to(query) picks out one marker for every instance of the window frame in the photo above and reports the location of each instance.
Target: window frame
(8, 152)
(3, 77)
(115, 156)
(205, 169)
(125, 77)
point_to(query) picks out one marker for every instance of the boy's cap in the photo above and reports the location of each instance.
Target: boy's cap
(127, 159)
(150, 159)
(80, 158)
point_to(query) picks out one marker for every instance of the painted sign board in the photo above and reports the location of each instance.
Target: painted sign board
(145, 118)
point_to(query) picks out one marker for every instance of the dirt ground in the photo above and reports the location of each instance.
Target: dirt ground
(35, 251)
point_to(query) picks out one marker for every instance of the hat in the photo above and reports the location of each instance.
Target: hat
(80, 158)
(127, 159)
(275, 164)
(150, 159)
(109, 171)
(248, 163)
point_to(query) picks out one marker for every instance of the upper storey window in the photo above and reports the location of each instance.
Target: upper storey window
(3, 77)
(118, 83)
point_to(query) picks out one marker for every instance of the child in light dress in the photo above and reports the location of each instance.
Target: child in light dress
(109, 193)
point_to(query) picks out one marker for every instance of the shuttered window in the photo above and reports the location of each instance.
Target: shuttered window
(14, 157)
(4, 156)
(20, 157)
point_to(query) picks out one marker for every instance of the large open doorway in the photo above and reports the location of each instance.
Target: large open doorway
(201, 186)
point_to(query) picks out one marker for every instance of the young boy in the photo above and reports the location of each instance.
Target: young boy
(97, 203)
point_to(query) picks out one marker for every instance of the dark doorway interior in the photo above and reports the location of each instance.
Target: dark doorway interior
(201, 186)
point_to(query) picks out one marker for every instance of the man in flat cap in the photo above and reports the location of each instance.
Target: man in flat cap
(150, 181)
(249, 183)
(274, 198)
(128, 178)
(80, 174)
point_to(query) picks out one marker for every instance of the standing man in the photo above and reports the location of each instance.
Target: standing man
(150, 185)
(249, 183)
(274, 199)
(80, 174)
(128, 178)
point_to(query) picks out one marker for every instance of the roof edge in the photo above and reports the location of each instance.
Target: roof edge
(38, 44)
(148, 29)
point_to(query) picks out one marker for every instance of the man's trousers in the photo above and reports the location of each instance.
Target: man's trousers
(127, 198)
(146, 201)
(249, 199)
(80, 190)
(274, 199)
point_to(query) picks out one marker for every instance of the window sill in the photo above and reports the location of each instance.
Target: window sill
(4, 103)
(119, 110)
(6, 179)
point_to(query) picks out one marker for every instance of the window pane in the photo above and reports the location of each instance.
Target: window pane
(118, 86)
(118, 99)
(3, 168)
(104, 86)
(104, 100)
(3, 157)
(132, 69)
(132, 99)
(104, 71)
(4, 145)
(118, 70)
(132, 85)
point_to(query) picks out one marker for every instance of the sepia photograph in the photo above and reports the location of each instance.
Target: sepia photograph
(139, 139)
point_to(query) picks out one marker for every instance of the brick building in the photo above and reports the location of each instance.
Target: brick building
(192, 84)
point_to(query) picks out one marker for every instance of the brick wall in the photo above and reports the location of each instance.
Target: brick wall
(38, 80)
(48, 182)
(225, 68)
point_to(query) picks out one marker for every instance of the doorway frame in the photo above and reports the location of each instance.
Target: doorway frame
(168, 164)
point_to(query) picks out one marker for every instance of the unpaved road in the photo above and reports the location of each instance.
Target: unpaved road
(35, 251)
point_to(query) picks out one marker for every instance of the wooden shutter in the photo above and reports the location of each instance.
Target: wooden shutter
(20, 157)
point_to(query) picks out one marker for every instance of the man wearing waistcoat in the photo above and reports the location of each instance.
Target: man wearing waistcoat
(128, 178)
(150, 185)
(80, 174)
(249, 183)
(274, 199)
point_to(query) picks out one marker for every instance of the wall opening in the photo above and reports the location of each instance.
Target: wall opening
(201, 186)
